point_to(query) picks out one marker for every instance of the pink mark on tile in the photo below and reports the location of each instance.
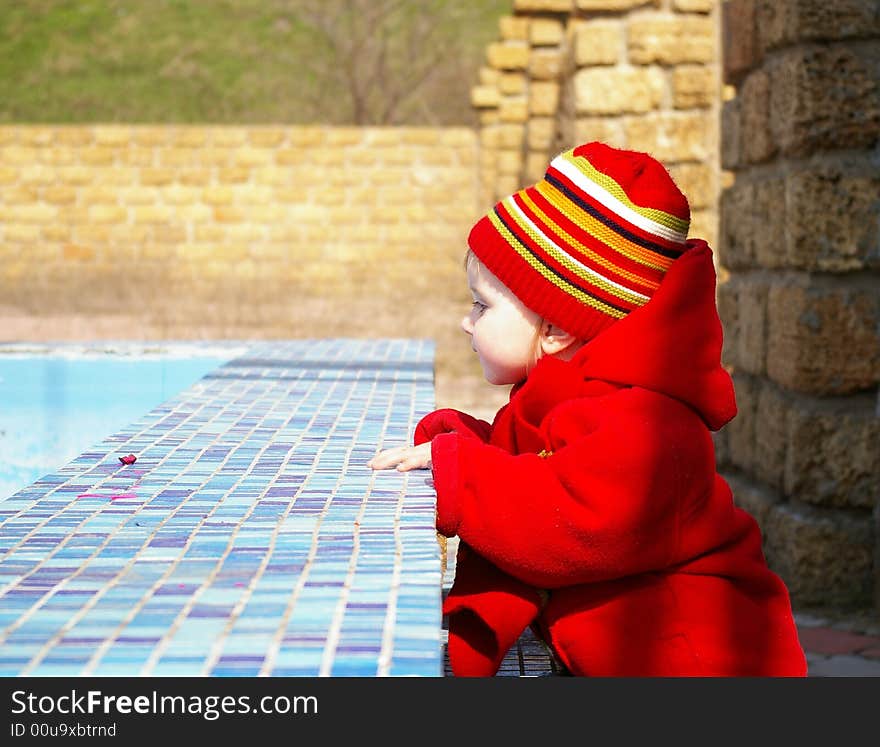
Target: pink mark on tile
(128, 459)
(122, 496)
(239, 583)
(90, 495)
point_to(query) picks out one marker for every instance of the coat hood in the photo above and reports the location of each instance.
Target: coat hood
(672, 344)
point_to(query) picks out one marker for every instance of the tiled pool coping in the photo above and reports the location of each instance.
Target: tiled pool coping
(249, 538)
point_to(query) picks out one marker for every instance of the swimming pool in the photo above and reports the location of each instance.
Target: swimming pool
(57, 401)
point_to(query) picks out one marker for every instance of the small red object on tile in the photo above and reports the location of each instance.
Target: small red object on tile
(129, 459)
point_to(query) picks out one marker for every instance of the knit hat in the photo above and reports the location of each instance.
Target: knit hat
(591, 241)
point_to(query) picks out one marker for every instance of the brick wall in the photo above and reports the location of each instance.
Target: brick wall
(638, 74)
(799, 236)
(142, 232)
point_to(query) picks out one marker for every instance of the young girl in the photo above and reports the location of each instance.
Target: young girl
(590, 508)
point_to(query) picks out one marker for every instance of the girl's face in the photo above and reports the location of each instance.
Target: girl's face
(503, 332)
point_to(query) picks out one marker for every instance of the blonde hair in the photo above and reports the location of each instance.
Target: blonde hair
(472, 259)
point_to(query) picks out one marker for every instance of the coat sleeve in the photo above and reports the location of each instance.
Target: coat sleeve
(450, 421)
(603, 505)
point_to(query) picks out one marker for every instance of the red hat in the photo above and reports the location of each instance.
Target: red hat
(591, 241)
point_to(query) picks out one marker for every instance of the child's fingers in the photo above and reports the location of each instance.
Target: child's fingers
(388, 458)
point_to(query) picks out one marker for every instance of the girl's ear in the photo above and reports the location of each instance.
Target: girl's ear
(555, 340)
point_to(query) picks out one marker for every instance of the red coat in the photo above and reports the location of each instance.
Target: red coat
(597, 482)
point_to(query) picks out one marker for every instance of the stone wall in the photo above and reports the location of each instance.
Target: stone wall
(638, 74)
(136, 232)
(800, 238)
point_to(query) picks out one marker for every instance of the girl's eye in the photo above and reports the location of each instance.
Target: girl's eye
(479, 307)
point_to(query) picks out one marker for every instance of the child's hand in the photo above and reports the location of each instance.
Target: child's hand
(404, 458)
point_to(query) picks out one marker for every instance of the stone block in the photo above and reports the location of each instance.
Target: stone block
(781, 24)
(769, 212)
(824, 97)
(673, 136)
(755, 499)
(543, 98)
(813, 332)
(615, 5)
(741, 430)
(541, 133)
(487, 77)
(671, 40)
(771, 442)
(697, 181)
(750, 342)
(544, 32)
(510, 162)
(831, 216)
(513, 110)
(608, 130)
(757, 141)
(545, 63)
(825, 557)
(485, 97)
(512, 84)
(832, 458)
(511, 136)
(618, 90)
(536, 165)
(695, 6)
(739, 42)
(695, 86)
(731, 135)
(737, 225)
(514, 28)
(543, 6)
(599, 43)
(508, 55)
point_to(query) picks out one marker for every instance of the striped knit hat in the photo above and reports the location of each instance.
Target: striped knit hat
(591, 241)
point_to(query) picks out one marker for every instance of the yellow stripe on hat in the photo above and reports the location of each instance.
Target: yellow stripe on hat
(548, 275)
(603, 233)
(587, 274)
(595, 183)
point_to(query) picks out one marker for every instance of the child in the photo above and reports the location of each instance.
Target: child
(590, 508)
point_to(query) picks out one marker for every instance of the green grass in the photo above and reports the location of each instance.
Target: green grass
(212, 61)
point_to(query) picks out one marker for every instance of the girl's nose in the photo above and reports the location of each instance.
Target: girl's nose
(467, 325)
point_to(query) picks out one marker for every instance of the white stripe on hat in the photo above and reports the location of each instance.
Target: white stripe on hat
(605, 198)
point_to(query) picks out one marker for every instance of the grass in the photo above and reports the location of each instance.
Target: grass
(186, 61)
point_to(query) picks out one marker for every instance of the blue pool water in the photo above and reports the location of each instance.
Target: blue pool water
(55, 406)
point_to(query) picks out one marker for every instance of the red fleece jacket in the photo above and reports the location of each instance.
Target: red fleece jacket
(597, 482)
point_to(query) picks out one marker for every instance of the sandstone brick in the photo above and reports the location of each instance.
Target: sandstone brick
(606, 129)
(543, 98)
(545, 63)
(228, 137)
(541, 6)
(17, 155)
(750, 341)
(695, 6)
(741, 430)
(514, 110)
(618, 90)
(35, 213)
(190, 137)
(487, 77)
(824, 557)
(219, 195)
(107, 214)
(151, 214)
(830, 217)
(739, 42)
(812, 333)
(20, 232)
(57, 233)
(59, 195)
(512, 84)
(671, 40)
(784, 23)
(59, 156)
(510, 136)
(137, 156)
(694, 87)
(485, 97)
(489, 117)
(92, 234)
(671, 137)
(541, 133)
(510, 162)
(599, 43)
(737, 225)
(514, 28)
(77, 253)
(704, 225)
(545, 32)
(508, 55)
(9, 134)
(769, 212)
(771, 443)
(536, 165)
(832, 458)
(614, 4)
(697, 181)
(753, 497)
(20, 195)
(421, 136)
(305, 137)
(139, 195)
(824, 97)
(112, 136)
(156, 177)
(150, 136)
(36, 135)
(731, 135)
(757, 140)
(507, 184)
